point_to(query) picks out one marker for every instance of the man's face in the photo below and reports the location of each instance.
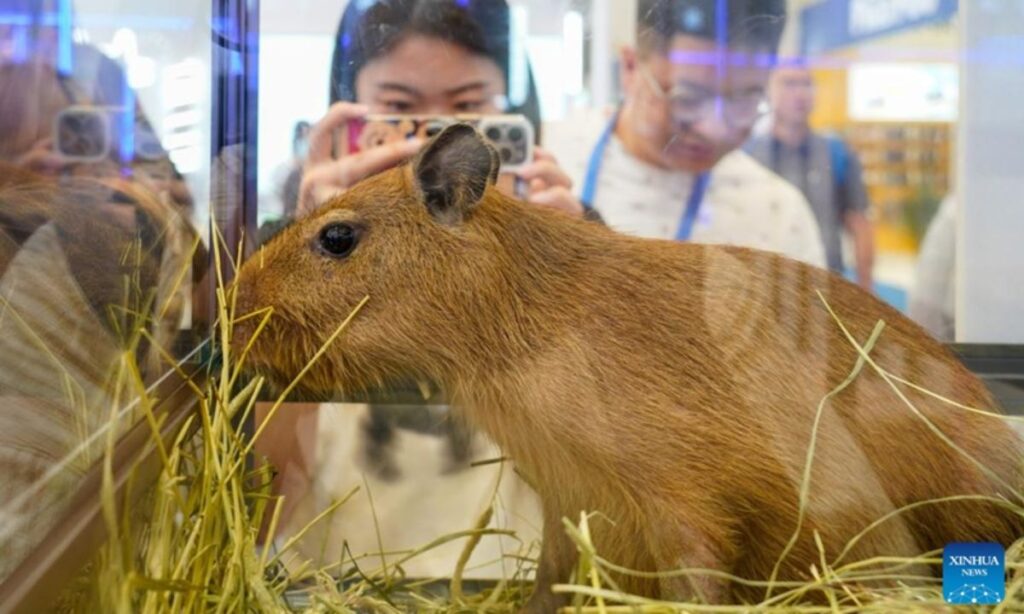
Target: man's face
(707, 104)
(792, 95)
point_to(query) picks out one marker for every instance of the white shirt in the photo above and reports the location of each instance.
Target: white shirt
(933, 294)
(745, 204)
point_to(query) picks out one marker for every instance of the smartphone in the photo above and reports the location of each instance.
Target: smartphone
(84, 134)
(511, 135)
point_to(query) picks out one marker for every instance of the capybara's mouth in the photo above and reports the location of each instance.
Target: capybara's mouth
(252, 346)
(313, 386)
(260, 352)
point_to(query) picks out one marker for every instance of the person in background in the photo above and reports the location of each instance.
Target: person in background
(284, 197)
(822, 166)
(300, 149)
(667, 162)
(932, 300)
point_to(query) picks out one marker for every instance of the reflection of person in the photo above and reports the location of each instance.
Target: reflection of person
(31, 97)
(85, 265)
(932, 299)
(427, 57)
(40, 80)
(823, 167)
(666, 164)
(93, 250)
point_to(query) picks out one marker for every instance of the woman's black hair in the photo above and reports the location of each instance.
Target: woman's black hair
(369, 29)
(751, 25)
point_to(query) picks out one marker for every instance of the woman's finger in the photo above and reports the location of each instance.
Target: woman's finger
(42, 157)
(547, 171)
(539, 153)
(321, 135)
(315, 188)
(322, 181)
(372, 161)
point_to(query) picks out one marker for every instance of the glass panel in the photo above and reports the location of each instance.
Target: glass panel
(104, 177)
(686, 291)
(828, 135)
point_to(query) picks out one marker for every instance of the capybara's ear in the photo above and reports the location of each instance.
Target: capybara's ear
(453, 171)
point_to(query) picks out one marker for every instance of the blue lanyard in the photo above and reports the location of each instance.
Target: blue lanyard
(700, 184)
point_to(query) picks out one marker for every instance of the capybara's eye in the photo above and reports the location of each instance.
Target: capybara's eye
(338, 240)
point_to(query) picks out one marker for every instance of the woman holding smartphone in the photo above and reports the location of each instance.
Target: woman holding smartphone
(421, 57)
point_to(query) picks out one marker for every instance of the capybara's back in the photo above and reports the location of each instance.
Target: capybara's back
(889, 433)
(725, 372)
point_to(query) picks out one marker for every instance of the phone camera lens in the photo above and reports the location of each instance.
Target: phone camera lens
(434, 128)
(515, 134)
(493, 133)
(506, 154)
(82, 134)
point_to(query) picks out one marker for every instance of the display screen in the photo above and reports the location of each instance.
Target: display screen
(903, 92)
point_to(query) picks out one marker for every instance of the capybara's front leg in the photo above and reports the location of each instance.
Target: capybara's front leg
(557, 558)
(679, 545)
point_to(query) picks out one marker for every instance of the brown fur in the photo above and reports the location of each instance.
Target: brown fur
(671, 387)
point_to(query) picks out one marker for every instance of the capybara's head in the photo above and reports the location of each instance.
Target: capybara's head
(414, 240)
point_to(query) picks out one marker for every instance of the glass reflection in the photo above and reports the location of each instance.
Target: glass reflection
(98, 254)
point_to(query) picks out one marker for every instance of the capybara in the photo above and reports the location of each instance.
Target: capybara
(671, 387)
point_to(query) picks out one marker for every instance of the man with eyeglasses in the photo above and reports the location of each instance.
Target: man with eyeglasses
(824, 169)
(667, 163)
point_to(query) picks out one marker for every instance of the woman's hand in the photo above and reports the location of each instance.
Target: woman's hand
(41, 158)
(548, 184)
(324, 176)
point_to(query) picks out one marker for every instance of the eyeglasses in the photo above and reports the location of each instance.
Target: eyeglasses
(689, 105)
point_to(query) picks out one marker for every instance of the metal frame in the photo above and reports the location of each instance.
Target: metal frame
(235, 68)
(992, 361)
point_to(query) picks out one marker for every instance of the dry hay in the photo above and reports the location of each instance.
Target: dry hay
(197, 546)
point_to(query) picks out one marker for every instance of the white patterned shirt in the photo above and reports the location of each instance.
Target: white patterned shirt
(745, 204)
